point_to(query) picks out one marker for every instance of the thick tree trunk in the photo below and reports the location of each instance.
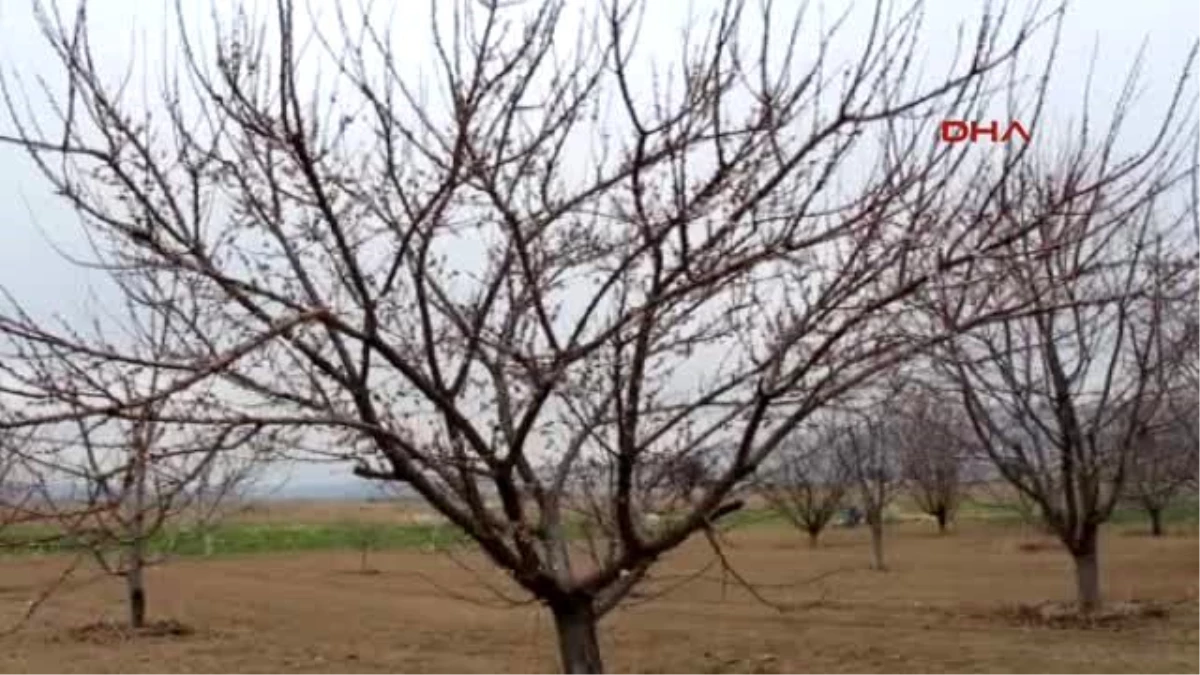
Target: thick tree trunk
(876, 526)
(814, 537)
(1156, 527)
(575, 622)
(1087, 578)
(942, 519)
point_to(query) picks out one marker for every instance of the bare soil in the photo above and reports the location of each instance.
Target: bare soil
(972, 601)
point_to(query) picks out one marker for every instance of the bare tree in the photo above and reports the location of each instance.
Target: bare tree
(21, 488)
(869, 451)
(1063, 397)
(126, 479)
(220, 490)
(931, 451)
(806, 481)
(148, 484)
(535, 285)
(1160, 468)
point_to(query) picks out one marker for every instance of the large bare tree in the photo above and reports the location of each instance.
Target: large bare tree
(1063, 398)
(555, 265)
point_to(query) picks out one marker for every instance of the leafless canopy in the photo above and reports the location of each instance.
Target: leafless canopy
(870, 452)
(933, 446)
(1062, 397)
(1162, 468)
(117, 485)
(806, 480)
(559, 267)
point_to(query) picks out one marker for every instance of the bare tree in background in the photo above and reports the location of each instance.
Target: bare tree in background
(806, 481)
(1165, 461)
(22, 486)
(931, 451)
(559, 272)
(869, 449)
(1063, 398)
(1161, 467)
(127, 482)
(150, 486)
(220, 492)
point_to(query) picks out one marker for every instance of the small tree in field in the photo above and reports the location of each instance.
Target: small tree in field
(930, 447)
(807, 482)
(23, 490)
(868, 450)
(366, 537)
(142, 486)
(134, 478)
(1161, 467)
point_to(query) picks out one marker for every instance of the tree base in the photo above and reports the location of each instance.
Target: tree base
(105, 632)
(575, 622)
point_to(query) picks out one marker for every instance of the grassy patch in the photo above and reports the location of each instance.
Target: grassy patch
(232, 538)
(241, 538)
(752, 518)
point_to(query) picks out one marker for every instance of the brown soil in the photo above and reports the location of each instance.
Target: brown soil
(948, 604)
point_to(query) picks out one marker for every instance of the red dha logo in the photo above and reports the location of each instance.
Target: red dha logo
(954, 131)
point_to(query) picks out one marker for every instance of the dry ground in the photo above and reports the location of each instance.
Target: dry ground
(940, 608)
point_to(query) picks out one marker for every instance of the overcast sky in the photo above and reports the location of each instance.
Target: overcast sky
(33, 222)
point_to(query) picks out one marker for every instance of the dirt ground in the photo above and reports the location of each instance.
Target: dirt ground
(943, 606)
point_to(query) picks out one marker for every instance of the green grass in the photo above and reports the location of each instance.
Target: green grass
(242, 538)
(234, 538)
(984, 509)
(1182, 512)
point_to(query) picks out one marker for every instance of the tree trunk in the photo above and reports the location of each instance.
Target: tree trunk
(134, 577)
(1156, 528)
(942, 518)
(1087, 578)
(814, 537)
(876, 525)
(575, 622)
(137, 592)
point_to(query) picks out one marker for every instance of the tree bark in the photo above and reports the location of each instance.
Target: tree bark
(942, 518)
(1156, 527)
(1087, 578)
(137, 592)
(876, 526)
(575, 622)
(814, 538)
(134, 577)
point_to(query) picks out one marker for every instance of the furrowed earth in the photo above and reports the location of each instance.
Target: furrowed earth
(987, 597)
